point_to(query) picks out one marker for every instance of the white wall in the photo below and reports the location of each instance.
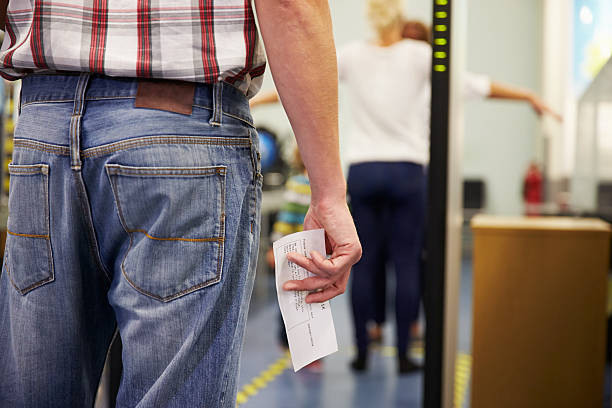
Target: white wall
(557, 87)
(504, 41)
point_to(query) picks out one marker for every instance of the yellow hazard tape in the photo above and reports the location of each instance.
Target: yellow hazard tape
(463, 368)
(263, 379)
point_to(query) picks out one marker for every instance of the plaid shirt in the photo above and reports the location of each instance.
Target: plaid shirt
(190, 40)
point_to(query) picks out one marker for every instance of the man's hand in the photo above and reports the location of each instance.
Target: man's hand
(342, 243)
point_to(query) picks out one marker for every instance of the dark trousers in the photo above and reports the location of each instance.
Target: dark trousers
(388, 205)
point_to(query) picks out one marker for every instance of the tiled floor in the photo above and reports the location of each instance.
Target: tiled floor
(336, 386)
(266, 384)
(268, 381)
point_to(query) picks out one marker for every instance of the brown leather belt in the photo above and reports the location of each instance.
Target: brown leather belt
(172, 96)
(3, 8)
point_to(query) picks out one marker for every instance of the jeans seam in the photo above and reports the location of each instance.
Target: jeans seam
(28, 168)
(93, 240)
(146, 234)
(45, 236)
(24, 171)
(32, 286)
(117, 169)
(95, 98)
(156, 140)
(221, 231)
(177, 295)
(127, 144)
(45, 147)
(24, 104)
(255, 180)
(104, 98)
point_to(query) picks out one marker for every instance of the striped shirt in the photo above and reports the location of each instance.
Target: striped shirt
(190, 40)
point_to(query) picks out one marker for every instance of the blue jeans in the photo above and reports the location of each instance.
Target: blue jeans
(140, 221)
(388, 206)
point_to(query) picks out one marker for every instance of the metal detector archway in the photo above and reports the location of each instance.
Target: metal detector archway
(443, 240)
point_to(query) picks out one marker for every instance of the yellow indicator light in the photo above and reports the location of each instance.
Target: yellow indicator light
(440, 27)
(441, 14)
(440, 41)
(442, 2)
(439, 54)
(440, 68)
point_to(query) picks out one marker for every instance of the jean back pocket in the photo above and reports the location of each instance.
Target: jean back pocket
(175, 220)
(28, 259)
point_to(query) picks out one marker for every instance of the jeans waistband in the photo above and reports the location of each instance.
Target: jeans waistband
(61, 88)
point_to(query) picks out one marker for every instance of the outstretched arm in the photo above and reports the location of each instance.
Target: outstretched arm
(264, 98)
(503, 91)
(302, 57)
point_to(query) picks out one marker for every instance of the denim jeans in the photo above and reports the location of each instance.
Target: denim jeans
(137, 221)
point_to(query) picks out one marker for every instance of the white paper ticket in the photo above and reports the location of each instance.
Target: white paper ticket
(310, 327)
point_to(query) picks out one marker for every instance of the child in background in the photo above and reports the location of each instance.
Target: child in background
(290, 219)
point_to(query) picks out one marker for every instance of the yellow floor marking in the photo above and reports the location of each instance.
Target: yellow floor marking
(463, 368)
(250, 390)
(241, 398)
(263, 379)
(388, 351)
(259, 382)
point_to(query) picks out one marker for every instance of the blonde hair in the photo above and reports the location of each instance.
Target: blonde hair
(383, 14)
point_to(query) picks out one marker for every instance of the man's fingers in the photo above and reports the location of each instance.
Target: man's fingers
(332, 275)
(338, 288)
(306, 263)
(332, 266)
(324, 295)
(331, 291)
(312, 283)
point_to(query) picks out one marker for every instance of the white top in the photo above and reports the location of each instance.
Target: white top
(390, 96)
(476, 86)
(389, 90)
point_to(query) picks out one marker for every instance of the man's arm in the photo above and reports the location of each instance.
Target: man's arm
(302, 57)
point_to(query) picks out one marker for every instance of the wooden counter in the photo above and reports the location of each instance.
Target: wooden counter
(539, 328)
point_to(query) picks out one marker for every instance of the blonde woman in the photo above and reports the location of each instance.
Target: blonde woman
(388, 84)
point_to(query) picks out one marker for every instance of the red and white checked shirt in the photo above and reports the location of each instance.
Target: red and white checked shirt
(190, 40)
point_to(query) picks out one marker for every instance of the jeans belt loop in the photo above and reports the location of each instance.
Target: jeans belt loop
(217, 99)
(75, 121)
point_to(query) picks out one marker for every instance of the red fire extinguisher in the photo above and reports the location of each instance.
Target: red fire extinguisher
(532, 190)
